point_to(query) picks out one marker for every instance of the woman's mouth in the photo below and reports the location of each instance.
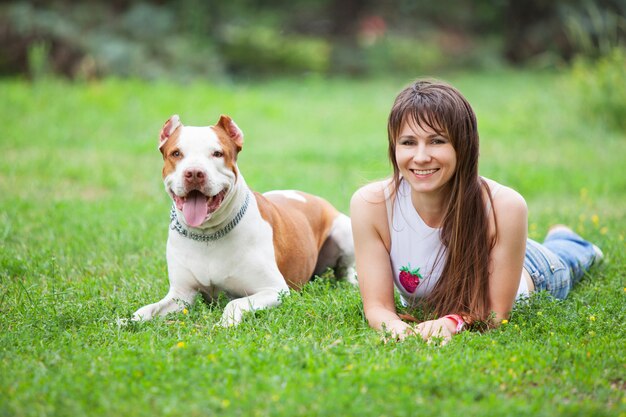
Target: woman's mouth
(424, 172)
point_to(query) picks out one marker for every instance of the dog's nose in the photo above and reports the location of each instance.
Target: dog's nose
(194, 175)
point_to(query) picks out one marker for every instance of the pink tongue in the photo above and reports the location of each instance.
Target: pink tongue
(195, 208)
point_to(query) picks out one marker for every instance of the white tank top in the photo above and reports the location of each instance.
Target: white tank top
(417, 254)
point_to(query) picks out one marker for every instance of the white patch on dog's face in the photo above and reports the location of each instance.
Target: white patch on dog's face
(198, 172)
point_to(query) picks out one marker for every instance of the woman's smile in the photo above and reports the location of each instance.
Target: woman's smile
(424, 172)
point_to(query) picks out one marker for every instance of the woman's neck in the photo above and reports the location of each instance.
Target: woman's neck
(430, 206)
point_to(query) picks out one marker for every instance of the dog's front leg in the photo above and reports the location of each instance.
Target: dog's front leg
(175, 300)
(234, 310)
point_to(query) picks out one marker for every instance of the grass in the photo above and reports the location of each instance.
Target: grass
(83, 225)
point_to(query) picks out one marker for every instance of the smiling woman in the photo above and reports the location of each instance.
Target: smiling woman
(465, 235)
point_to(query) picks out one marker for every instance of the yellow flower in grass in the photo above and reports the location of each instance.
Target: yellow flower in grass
(604, 230)
(595, 219)
(584, 193)
(180, 345)
(505, 321)
(185, 311)
(592, 318)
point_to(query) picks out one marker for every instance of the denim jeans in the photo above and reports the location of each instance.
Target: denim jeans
(559, 263)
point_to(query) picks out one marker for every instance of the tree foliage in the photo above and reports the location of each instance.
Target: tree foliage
(195, 38)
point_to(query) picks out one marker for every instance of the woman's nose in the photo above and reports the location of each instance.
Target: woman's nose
(422, 154)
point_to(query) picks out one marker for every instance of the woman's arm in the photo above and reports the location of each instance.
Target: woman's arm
(506, 262)
(507, 256)
(370, 231)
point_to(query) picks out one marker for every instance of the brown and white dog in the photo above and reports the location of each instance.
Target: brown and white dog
(224, 237)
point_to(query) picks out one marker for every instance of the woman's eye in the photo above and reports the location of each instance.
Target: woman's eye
(218, 154)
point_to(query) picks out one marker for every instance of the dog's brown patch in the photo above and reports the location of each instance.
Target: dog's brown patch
(171, 153)
(229, 148)
(300, 230)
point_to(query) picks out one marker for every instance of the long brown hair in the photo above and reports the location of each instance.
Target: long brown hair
(463, 287)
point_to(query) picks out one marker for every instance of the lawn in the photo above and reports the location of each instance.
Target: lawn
(84, 220)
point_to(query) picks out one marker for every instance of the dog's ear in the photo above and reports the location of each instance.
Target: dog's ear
(232, 130)
(168, 129)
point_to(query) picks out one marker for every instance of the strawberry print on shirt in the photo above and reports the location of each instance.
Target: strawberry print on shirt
(410, 278)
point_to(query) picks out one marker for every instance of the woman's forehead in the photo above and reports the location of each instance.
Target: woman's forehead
(422, 122)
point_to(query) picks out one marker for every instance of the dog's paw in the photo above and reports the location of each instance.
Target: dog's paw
(350, 276)
(233, 313)
(144, 313)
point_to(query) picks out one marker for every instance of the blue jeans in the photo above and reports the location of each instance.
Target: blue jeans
(559, 263)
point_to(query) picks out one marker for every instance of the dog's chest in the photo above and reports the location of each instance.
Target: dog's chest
(227, 263)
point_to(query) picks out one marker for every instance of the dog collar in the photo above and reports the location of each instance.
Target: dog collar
(201, 237)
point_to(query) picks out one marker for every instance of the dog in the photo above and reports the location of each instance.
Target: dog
(223, 237)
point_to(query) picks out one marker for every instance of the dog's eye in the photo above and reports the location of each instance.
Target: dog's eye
(218, 154)
(176, 154)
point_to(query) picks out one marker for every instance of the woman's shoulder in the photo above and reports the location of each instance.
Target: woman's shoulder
(368, 211)
(506, 200)
(368, 203)
(374, 193)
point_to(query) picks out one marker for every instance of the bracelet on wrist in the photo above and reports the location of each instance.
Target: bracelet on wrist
(460, 323)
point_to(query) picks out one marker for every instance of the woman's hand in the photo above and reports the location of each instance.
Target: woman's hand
(396, 330)
(441, 328)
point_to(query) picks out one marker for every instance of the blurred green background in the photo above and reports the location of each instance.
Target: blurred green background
(86, 86)
(187, 40)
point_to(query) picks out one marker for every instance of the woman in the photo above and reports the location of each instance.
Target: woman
(447, 239)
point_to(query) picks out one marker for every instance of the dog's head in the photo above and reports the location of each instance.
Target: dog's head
(199, 165)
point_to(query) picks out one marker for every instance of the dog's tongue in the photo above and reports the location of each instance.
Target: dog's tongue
(195, 208)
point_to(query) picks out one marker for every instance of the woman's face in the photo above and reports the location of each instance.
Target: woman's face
(426, 159)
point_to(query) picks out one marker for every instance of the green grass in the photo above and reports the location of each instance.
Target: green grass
(83, 225)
